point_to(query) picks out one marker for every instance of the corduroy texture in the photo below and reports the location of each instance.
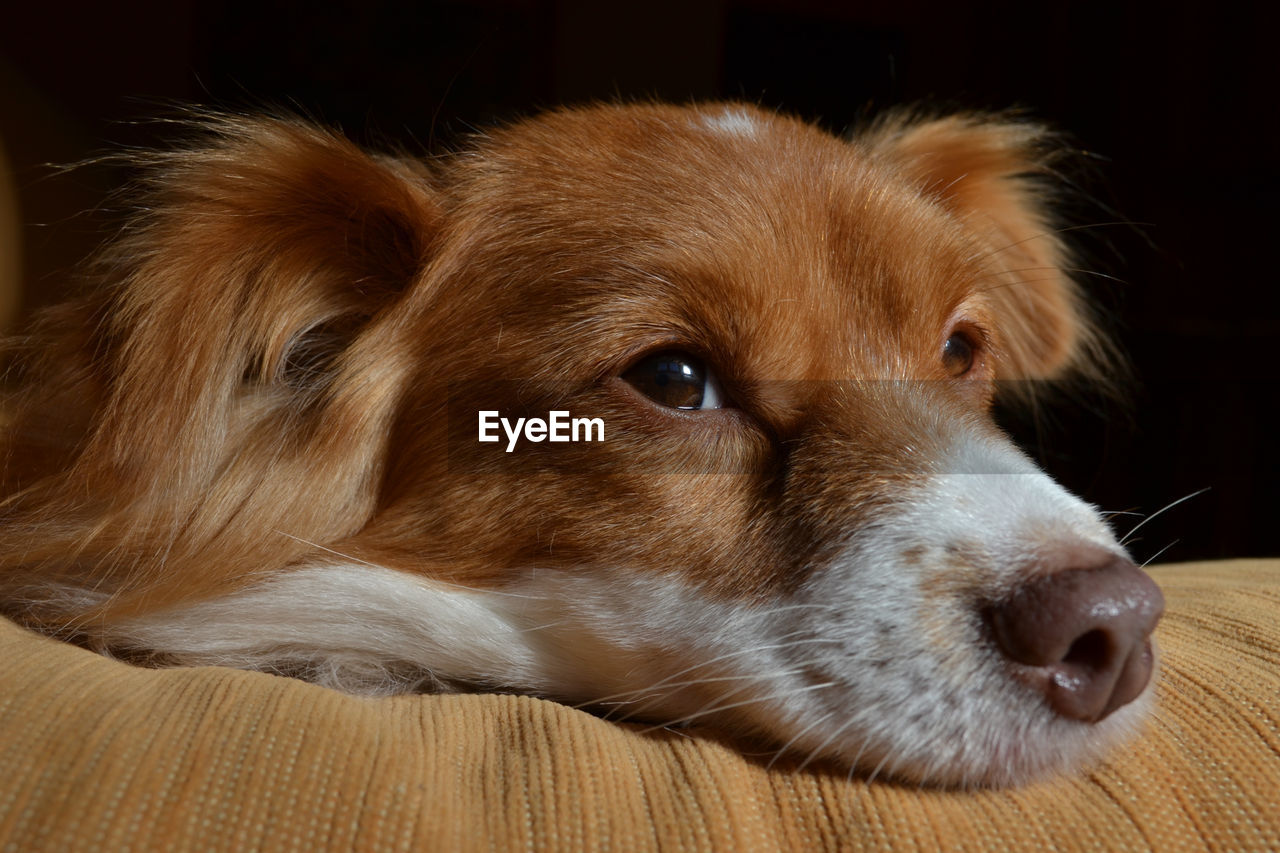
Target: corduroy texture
(98, 755)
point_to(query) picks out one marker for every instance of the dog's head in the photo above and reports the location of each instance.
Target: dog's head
(263, 445)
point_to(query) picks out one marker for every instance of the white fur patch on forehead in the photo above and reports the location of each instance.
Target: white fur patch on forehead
(732, 121)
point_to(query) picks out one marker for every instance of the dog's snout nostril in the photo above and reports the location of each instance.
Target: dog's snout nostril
(1084, 634)
(1089, 649)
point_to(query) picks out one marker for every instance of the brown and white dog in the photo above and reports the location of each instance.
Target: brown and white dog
(257, 442)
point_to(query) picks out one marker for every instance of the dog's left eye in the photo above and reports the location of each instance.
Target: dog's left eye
(677, 380)
(959, 354)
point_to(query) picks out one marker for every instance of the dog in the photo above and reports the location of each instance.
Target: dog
(318, 416)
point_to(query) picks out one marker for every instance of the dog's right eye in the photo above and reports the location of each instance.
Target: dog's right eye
(677, 380)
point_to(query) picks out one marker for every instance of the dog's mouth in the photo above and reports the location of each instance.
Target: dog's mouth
(799, 685)
(1000, 728)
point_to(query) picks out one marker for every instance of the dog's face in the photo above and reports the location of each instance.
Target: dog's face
(801, 521)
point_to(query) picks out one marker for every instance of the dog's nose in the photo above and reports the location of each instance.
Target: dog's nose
(1087, 634)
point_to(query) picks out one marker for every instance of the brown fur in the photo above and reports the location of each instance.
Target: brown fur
(287, 350)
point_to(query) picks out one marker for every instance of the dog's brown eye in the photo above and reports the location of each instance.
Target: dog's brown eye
(677, 380)
(958, 354)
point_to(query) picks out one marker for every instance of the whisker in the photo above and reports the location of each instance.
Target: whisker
(1052, 231)
(1158, 553)
(715, 709)
(786, 747)
(1047, 269)
(694, 681)
(803, 605)
(1166, 507)
(831, 738)
(879, 767)
(862, 749)
(727, 656)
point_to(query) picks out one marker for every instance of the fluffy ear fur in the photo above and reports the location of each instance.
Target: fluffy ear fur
(184, 430)
(990, 173)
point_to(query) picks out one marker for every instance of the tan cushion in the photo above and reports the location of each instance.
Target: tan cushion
(98, 754)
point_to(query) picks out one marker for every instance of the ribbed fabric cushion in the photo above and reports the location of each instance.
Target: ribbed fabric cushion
(95, 754)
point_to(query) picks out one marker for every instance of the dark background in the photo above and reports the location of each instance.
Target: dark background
(1175, 104)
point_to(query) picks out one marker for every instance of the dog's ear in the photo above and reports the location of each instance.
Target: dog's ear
(996, 175)
(282, 238)
(265, 253)
(232, 385)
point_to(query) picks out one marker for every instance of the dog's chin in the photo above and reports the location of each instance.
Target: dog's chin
(962, 742)
(1070, 747)
(1002, 756)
